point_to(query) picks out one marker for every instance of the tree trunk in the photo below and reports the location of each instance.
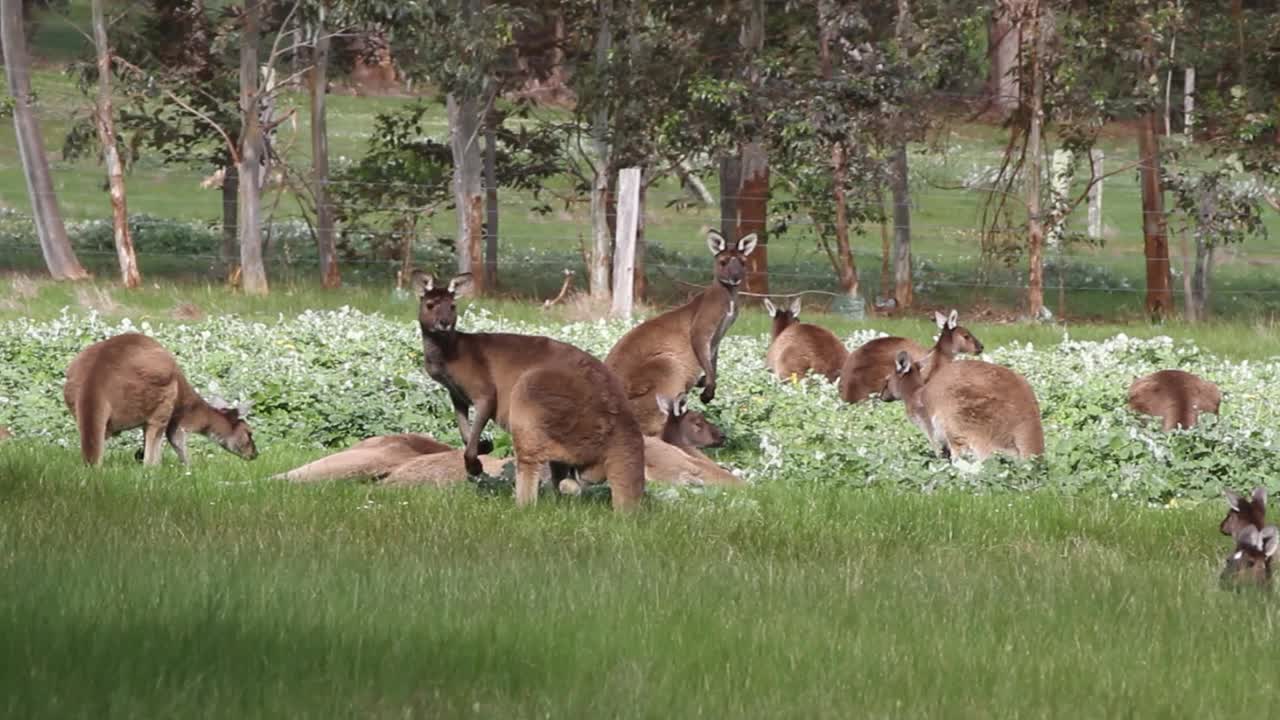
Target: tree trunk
(230, 217)
(752, 203)
(1159, 300)
(640, 283)
(602, 239)
(848, 269)
(253, 273)
(730, 179)
(54, 244)
(1188, 101)
(110, 155)
(1035, 222)
(326, 243)
(1004, 38)
(1200, 283)
(465, 118)
(902, 282)
(491, 200)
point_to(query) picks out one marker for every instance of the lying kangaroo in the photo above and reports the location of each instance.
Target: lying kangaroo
(1175, 396)
(667, 354)
(867, 370)
(1249, 564)
(674, 457)
(130, 381)
(373, 458)
(560, 404)
(970, 407)
(798, 348)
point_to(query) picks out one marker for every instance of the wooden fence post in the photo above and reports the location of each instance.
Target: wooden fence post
(1095, 197)
(624, 252)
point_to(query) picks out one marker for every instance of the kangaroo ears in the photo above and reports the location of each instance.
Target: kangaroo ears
(665, 404)
(422, 283)
(747, 244)
(953, 320)
(902, 364)
(770, 308)
(1233, 500)
(795, 307)
(1260, 498)
(1269, 540)
(460, 284)
(244, 407)
(716, 242)
(940, 319)
(680, 405)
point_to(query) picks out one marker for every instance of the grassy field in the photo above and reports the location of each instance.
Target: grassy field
(214, 593)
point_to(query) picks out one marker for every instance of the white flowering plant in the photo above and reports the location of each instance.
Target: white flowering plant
(326, 379)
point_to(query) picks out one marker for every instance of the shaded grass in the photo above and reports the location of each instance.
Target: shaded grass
(135, 592)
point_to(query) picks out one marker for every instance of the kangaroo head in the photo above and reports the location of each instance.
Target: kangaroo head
(731, 260)
(1244, 512)
(437, 311)
(783, 318)
(236, 436)
(904, 381)
(685, 427)
(1250, 562)
(954, 339)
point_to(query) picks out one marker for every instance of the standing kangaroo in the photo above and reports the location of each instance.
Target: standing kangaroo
(1175, 396)
(798, 348)
(667, 354)
(970, 407)
(560, 404)
(131, 381)
(868, 369)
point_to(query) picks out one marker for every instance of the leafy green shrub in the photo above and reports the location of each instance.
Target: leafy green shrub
(329, 378)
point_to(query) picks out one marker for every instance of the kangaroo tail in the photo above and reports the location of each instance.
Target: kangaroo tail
(91, 419)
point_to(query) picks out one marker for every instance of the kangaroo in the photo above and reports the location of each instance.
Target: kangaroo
(668, 354)
(1249, 564)
(440, 469)
(1244, 511)
(4, 433)
(560, 404)
(971, 407)
(1175, 396)
(131, 381)
(868, 369)
(798, 348)
(374, 458)
(674, 457)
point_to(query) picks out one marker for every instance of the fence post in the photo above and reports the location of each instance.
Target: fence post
(1095, 197)
(624, 252)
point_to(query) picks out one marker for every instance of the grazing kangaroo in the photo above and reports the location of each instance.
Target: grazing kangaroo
(1175, 396)
(560, 404)
(1245, 511)
(1249, 564)
(798, 348)
(131, 381)
(867, 370)
(970, 407)
(373, 458)
(668, 354)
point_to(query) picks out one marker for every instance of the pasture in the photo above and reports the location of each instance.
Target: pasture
(856, 575)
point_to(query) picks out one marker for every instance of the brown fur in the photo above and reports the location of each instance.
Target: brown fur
(1174, 396)
(440, 469)
(868, 369)
(1244, 511)
(674, 457)
(799, 348)
(667, 354)
(131, 381)
(971, 408)
(560, 404)
(372, 458)
(4, 433)
(1249, 564)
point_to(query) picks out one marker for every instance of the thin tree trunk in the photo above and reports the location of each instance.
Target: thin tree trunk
(465, 119)
(326, 241)
(491, 201)
(1004, 38)
(601, 238)
(253, 273)
(1188, 272)
(230, 217)
(848, 269)
(640, 283)
(1159, 299)
(752, 203)
(1200, 283)
(54, 244)
(1035, 223)
(111, 157)
(1188, 101)
(902, 282)
(730, 179)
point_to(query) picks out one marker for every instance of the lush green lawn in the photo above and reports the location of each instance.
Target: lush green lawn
(215, 592)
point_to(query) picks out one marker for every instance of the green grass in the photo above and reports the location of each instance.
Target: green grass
(215, 592)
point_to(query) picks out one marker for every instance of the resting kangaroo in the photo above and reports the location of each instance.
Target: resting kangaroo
(970, 407)
(374, 458)
(667, 354)
(1249, 564)
(560, 404)
(1174, 396)
(131, 381)
(675, 458)
(798, 348)
(867, 370)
